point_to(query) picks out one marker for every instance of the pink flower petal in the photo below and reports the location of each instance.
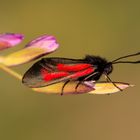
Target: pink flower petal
(46, 42)
(105, 87)
(68, 89)
(87, 87)
(35, 49)
(8, 40)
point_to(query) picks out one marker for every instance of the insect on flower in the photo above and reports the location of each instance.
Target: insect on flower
(50, 71)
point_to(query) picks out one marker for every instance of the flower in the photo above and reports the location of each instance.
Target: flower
(8, 40)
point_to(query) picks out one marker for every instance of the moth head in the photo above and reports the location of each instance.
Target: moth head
(108, 68)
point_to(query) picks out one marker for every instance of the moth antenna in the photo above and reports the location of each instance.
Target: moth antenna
(131, 62)
(116, 60)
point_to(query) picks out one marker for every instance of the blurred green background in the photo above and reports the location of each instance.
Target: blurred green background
(106, 28)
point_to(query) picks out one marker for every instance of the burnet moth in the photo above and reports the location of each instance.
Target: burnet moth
(49, 71)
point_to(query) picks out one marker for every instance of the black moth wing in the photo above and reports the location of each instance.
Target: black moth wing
(33, 77)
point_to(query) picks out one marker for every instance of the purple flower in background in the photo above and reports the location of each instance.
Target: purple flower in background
(45, 42)
(35, 49)
(8, 40)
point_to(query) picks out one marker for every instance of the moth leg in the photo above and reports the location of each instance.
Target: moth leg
(108, 79)
(85, 80)
(78, 85)
(64, 86)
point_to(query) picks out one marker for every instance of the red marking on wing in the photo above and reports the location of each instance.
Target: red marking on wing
(72, 68)
(50, 76)
(82, 73)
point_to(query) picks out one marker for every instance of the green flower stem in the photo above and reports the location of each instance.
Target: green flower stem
(10, 71)
(13, 73)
